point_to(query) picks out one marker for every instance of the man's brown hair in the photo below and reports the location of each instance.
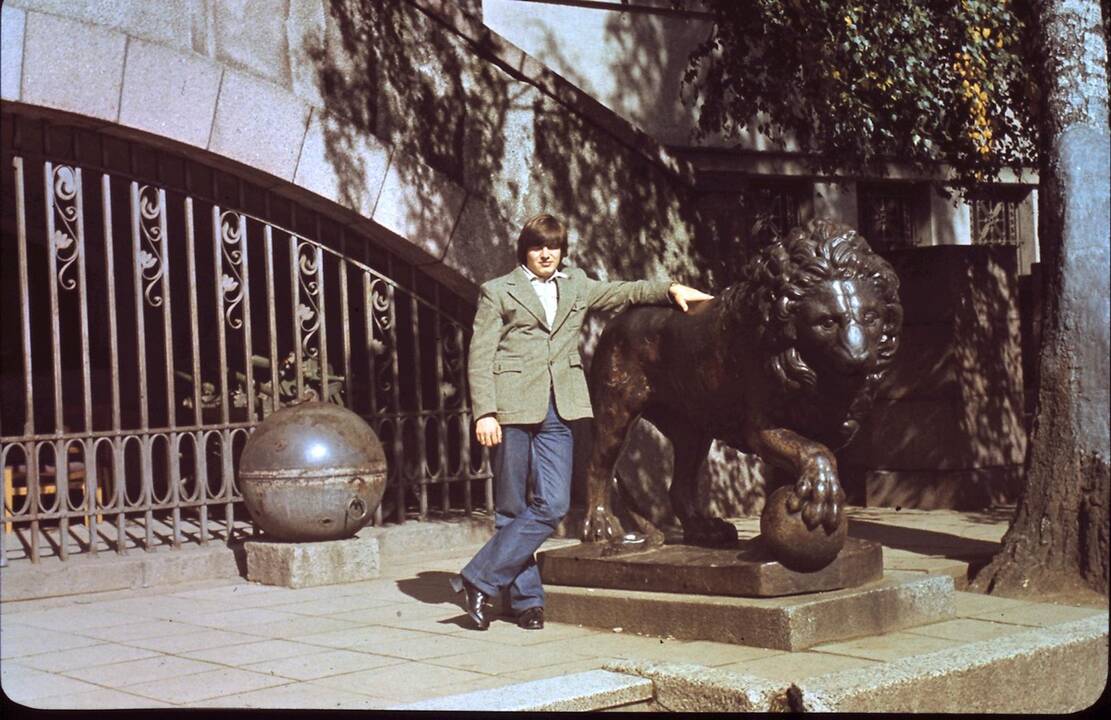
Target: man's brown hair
(542, 230)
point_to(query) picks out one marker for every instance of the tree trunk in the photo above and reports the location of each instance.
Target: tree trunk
(1059, 535)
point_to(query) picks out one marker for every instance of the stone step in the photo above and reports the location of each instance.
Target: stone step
(581, 692)
(1056, 669)
(795, 622)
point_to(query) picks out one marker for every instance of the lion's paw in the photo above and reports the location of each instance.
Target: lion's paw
(601, 525)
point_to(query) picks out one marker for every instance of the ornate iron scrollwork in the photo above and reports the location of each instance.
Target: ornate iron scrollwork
(231, 281)
(64, 241)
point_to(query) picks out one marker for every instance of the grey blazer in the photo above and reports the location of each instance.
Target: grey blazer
(515, 359)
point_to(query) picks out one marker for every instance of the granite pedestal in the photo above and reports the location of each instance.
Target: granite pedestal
(795, 622)
(738, 594)
(308, 564)
(746, 570)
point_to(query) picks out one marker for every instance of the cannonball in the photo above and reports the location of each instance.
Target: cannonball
(791, 543)
(312, 471)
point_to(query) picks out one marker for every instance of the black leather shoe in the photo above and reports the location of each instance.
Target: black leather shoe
(531, 619)
(474, 601)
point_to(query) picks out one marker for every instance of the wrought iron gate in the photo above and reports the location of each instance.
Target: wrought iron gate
(149, 325)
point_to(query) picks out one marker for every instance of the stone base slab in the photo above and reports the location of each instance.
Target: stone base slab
(900, 600)
(747, 570)
(308, 564)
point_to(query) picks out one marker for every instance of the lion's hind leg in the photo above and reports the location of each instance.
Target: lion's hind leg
(691, 446)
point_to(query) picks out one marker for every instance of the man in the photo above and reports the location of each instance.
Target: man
(526, 382)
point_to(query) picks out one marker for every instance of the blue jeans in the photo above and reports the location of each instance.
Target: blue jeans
(541, 453)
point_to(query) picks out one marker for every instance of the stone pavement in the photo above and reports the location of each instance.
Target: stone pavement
(401, 639)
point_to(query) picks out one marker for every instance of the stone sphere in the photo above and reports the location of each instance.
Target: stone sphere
(312, 471)
(794, 545)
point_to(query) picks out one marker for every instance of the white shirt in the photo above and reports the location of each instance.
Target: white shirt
(547, 291)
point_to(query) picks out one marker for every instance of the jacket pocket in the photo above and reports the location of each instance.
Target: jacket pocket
(508, 365)
(575, 360)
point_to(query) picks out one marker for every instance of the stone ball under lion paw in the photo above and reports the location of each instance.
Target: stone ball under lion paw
(791, 543)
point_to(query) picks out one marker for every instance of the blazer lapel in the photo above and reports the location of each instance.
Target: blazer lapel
(568, 293)
(520, 289)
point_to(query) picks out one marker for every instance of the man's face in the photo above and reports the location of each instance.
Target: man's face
(542, 261)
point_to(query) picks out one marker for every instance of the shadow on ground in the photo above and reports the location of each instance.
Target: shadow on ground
(929, 542)
(433, 587)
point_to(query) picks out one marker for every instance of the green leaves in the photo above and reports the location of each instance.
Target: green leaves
(921, 81)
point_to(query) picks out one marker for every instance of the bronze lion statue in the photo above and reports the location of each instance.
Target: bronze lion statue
(783, 364)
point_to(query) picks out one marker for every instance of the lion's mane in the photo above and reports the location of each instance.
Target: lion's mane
(783, 273)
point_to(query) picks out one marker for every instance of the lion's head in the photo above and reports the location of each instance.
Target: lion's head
(825, 307)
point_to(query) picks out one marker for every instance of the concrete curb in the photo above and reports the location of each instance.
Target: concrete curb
(1001, 675)
(582, 692)
(109, 571)
(689, 687)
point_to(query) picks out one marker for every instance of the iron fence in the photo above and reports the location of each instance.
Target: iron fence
(148, 329)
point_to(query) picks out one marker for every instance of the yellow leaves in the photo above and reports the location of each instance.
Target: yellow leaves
(836, 74)
(986, 32)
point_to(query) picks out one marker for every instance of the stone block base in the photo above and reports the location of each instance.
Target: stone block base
(797, 622)
(308, 564)
(746, 570)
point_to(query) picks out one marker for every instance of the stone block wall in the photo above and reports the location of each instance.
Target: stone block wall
(408, 116)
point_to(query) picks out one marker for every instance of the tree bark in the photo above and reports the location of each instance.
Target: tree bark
(1059, 536)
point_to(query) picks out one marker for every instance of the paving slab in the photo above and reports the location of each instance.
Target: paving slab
(321, 664)
(24, 684)
(249, 653)
(294, 696)
(132, 672)
(104, 653)
(98, 699)
(203, 686)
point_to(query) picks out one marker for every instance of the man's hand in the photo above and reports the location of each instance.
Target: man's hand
(683, 295)
(488, 431)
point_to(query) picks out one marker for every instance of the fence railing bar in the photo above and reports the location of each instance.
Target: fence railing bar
(398, 427)
(110, 285)
(140, 322)
(295, 314)
(55, 332)
(321, 318)
(345, 335)
(248, 356)
(271, 317)
(173, 467)
(25, 327)
(87, 457)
